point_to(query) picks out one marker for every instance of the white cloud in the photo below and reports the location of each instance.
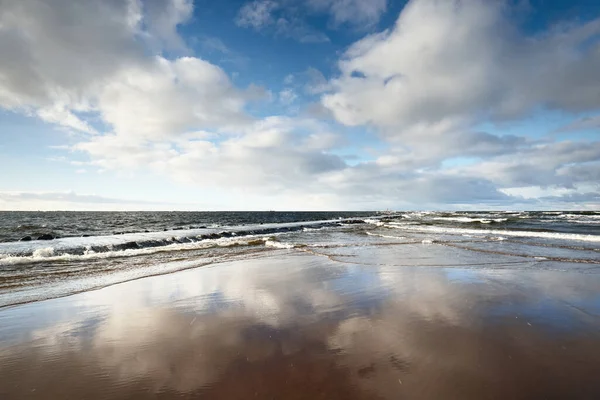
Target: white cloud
(256, 14)
(287, 96)
(465, 60)
(289, 79)
(279, 19)
(216, 44)
(59, 114)
(289, 15)
(552, 164)
(444, 68)
(71, 200)
(317, 83)
(170, 97)
(162, 18)
(268, 157)
(359, 13)
(42, 44)
(93, 57)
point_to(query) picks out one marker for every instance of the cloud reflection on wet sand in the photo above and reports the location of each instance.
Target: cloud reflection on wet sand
(301, 326)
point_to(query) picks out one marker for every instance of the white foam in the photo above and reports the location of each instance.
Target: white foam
(48, 254)
(373, 221)
(470, 220)
(427, 241)
(69, 248)
(43, 253)
(309, 229)
(385, 236)
(501, 232)
(279, 245)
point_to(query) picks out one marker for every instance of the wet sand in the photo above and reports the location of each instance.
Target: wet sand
(362, 323)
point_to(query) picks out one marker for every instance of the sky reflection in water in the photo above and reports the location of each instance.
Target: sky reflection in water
(304, 326)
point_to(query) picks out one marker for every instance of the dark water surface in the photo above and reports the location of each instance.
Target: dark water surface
(15, 225)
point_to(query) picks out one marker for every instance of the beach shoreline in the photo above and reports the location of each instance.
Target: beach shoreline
(333, 323)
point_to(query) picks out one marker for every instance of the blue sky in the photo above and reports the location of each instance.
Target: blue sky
(290, 104)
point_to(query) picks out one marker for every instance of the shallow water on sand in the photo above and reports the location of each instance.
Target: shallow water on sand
(87, 256)
(380, 319)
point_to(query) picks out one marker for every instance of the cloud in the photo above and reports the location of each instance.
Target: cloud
(287, 96)
(102, 59)
(256, 14)
(280, 18)
(215, 44)
(170, 97)
(464, 60)
(162, 18)
(424, 87)
(288, 159)
(296, 28)
(589, 198)
(70, 200)
(358, 13)
(586, 123)
(271, 155)
(289, 15)
(427, 83)
(561, 163)
(291, 160)
(42, 43)
(316, 82)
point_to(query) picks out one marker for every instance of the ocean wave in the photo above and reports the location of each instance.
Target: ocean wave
(279, 245)
(500, 232)
(143, 243)
(48, 254)
(385, 236)
(310, 229)
(374, 221)
(471, 220)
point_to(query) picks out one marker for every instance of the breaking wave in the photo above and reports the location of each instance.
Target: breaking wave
(129, 245)
(499, 232)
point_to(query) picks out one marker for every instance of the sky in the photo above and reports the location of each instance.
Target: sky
(299, 104)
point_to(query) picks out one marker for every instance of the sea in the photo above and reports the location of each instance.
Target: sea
(47, 255)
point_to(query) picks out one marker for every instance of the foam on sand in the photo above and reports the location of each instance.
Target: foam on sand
(500, 232)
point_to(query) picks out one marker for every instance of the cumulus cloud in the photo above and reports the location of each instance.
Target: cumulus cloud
(170, 97)
(162, 18)
(467, 60)
(42, 43)
(97, 57)
(445, 67)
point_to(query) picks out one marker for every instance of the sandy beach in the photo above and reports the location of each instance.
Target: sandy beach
(377, 322)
